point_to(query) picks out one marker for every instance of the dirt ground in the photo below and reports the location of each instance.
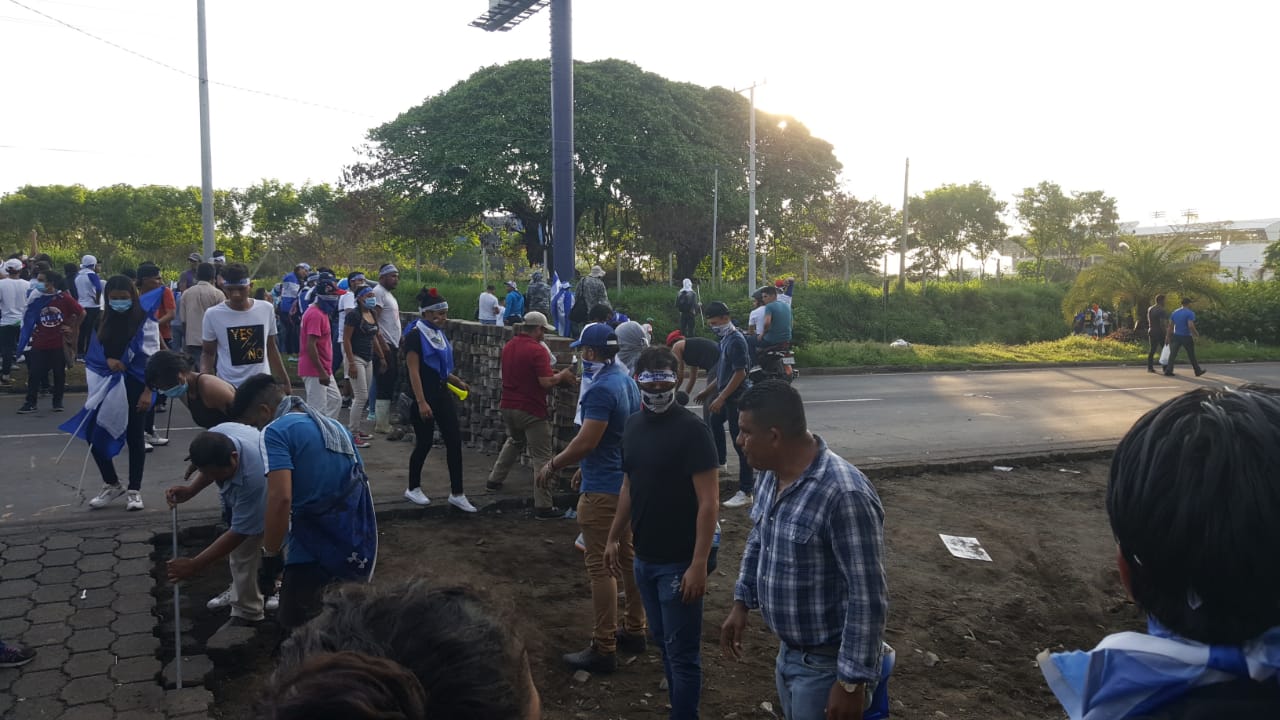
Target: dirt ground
(966, 631)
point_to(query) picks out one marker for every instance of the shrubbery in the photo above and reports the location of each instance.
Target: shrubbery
(1246, 311)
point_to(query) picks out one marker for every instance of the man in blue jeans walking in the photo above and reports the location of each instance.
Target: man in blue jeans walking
(813, 564)
(730, 381)
(668, 496)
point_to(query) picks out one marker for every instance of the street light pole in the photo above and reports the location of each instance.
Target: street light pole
(206, 153)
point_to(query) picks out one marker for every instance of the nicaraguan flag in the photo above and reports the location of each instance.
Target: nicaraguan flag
(105, 416)
(35, 306)
(561, 304)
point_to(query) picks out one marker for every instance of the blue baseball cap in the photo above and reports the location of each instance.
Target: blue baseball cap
(598, 335)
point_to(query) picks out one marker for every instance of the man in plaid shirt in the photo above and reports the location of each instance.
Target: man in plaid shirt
(814, 562)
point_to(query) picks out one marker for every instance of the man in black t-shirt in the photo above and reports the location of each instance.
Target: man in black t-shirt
(669, 496)
(1157, 327)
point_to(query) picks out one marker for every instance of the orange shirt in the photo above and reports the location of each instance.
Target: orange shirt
(168, 303)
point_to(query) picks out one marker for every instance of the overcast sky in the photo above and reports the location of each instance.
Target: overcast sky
(1164, 105)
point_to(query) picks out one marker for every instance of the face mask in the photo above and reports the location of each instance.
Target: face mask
(121, 306)
(371, 302)
(658, 402)
(328, 302)
(37, 286)
(175, 392)
(723, 330)
(590, 368)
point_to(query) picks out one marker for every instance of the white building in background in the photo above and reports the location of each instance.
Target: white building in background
(1237, 246)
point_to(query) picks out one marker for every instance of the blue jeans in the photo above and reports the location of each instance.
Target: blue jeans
(677, 628)
(746, 476)
(804, 682)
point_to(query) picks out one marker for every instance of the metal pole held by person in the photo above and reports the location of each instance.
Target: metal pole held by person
(177, 609)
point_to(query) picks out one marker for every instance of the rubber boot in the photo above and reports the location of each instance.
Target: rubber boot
(382, 409)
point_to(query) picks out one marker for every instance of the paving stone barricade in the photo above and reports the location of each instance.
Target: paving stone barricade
(477, 352)
(85, 599)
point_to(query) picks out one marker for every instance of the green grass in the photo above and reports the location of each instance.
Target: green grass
(1072, 350)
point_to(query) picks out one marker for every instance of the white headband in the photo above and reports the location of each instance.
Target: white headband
(437, 306)
(656, 376)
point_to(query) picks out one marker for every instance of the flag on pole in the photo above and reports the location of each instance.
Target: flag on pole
(105, 417)
(35, 306)
(561, 304)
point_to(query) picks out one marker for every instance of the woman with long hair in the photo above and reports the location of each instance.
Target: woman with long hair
(428, 357)
(123, 320)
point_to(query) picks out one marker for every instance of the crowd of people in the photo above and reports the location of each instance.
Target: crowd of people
(1189, 496)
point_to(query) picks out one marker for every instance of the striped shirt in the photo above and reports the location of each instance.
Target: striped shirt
(814, 563)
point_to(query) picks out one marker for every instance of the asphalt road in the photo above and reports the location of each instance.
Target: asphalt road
(870, 419)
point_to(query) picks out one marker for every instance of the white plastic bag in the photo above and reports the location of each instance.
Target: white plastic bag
(1164, 355)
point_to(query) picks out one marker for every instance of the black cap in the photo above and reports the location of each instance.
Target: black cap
(716, 309)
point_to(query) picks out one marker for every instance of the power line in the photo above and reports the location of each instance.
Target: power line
(180, 71)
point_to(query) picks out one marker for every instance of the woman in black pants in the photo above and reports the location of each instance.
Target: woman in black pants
(124, 320)
(429, 363)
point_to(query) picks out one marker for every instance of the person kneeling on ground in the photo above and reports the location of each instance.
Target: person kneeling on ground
(1193, 503)
(405, 651)
(230, 455)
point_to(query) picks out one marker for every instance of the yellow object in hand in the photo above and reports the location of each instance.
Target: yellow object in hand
(459, 392)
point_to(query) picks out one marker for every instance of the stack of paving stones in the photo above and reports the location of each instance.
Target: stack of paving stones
(85, 600)
(477, 352)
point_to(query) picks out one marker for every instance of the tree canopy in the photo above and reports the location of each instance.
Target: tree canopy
(950, 220)
(1065, 227)
(645, 152)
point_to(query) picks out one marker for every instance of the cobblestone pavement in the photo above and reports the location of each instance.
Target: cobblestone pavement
(84, 599)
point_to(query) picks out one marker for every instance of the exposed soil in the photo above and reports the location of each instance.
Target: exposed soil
(966, 632)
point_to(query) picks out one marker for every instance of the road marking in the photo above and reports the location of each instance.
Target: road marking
(1152, 387)
(29, 436)
(1006, 417)
(850, 400)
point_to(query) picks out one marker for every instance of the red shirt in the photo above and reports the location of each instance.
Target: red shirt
(168, 303)
(62, 310)
(524, 360)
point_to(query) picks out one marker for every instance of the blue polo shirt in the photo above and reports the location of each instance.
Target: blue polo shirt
(320, 476)
(1180, 318)
(244, 495)
(613, 397)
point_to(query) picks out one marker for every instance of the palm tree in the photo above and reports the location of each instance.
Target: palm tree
(1130, 277)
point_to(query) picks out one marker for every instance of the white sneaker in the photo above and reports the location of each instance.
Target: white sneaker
(156, 440)
(462, 503)
(135, 501)
(273, 602)
(219, 601)
(417, 497)
(740, 499)
(149, 447)
(109, 493)
(580, 542)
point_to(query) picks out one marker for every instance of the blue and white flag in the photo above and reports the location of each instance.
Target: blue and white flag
(1131, 674)
(561, 304)
(35, 306)
(105, 417)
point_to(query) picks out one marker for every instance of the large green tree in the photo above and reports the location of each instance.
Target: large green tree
(645, 152)
(950, 220)
(1065, 227)
(1129, 277)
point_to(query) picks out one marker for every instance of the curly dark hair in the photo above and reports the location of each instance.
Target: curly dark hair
(346, 686)
(471, 663)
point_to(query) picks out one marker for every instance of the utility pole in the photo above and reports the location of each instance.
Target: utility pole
(206, 153)
(902, 244)
(751, 202)
(715, 222)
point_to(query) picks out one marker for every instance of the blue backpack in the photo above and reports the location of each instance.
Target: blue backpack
(342, 534)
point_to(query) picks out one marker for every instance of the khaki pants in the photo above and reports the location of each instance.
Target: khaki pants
(595, 517)
(359, 391)
(524, 430)
(246, 598)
